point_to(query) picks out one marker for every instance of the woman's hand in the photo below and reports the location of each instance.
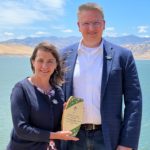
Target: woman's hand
(63, 135)
(123, 148)
(64, 105)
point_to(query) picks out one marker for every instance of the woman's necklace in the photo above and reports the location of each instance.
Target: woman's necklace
(47, 91)
(45, 88)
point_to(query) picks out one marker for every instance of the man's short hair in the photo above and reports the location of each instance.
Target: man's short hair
(90, 6)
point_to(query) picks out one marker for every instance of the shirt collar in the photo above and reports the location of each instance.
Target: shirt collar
(82, 48)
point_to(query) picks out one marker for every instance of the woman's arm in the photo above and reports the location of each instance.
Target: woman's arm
(20, 110)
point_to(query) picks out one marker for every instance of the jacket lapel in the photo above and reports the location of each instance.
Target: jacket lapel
(71, 60)
(107, 64)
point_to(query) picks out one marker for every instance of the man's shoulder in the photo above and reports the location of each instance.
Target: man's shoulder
(119, 52)
(115, 47)
(70, 47)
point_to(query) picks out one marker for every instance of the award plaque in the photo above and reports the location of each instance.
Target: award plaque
(73, 115)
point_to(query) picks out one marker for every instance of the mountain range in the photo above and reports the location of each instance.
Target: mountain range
(64, 41)
(139, 45)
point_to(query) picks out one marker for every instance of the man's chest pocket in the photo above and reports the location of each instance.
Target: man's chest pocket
(115, 76)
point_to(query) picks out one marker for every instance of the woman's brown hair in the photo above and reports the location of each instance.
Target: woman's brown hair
(57, 78)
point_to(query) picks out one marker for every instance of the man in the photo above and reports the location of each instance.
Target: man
(105, 76)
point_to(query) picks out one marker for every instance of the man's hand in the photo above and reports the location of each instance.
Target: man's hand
(123, 148)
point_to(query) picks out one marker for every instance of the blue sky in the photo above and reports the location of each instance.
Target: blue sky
(34, 18)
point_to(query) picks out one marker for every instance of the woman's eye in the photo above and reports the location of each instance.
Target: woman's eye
(51, 61)
(40, 61)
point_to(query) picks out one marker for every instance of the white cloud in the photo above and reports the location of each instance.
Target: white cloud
(41, 33)
(25, 12)
(142, 29)
(52, 3)
(8, 34)
(11, 35)
(21, 37)
(19, 16)
(67, 31)
(125, 34)
(146, 36)
(110, 31)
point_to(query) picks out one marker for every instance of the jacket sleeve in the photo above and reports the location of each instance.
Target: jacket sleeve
(133, 105)
(20, 110)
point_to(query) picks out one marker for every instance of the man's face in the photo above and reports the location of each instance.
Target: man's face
(91, 25)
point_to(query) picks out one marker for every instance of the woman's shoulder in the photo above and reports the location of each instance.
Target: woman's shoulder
(24, 83)
(18, 89)
(21, 82)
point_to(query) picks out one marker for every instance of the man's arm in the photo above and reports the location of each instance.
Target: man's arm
(133, 105)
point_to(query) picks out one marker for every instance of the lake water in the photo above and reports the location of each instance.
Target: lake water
(13, 69)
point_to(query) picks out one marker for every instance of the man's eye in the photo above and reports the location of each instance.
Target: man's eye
(97, 23)
(86, 24)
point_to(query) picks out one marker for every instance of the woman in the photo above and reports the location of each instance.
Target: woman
(37, 104)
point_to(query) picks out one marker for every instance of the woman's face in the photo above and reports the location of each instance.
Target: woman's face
(44, 64)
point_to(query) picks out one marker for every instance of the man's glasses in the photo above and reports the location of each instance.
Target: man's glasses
(94, 24)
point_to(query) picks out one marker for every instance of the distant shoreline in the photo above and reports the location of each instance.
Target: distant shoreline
(28, 55)
(15, 50)
(14, 55)
(26, 51)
